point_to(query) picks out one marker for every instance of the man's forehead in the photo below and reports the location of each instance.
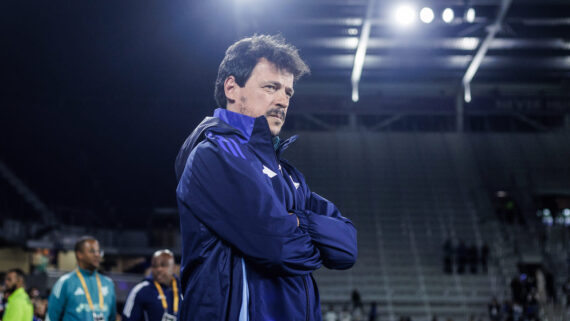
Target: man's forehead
(91, 243)
(268, 70)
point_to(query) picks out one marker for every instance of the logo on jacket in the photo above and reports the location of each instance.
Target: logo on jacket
(268, 172)
(79, 291)
(294, 183)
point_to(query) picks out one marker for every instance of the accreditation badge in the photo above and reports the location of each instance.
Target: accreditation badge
(98, 316)
(168, 317)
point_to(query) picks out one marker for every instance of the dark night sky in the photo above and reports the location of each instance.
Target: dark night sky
(99, 95)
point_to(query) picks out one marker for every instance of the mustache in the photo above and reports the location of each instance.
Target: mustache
(276, 112)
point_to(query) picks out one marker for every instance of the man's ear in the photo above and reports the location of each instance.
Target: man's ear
(231, 89)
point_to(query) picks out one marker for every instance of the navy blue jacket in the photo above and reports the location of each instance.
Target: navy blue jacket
(235, 195)
(143, 302)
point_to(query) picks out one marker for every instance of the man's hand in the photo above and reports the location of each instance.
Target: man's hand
(297, 219)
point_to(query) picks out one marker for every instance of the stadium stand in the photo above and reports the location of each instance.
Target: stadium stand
(407, 193)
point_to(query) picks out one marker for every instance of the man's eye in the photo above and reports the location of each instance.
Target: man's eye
(272, 87)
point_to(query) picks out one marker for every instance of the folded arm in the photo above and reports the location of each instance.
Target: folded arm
(333, 234)
(232, 197)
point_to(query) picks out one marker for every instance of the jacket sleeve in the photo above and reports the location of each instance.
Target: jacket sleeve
(233, 197)
(333, 234)
(57, 300)
(133, 310)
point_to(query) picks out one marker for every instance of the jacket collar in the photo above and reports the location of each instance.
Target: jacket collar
(240, 122)
(19, 292)
(86, 272)
(151, 280)
(253, 130)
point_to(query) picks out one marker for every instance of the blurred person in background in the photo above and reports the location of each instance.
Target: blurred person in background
(448, 254)
(373, 314)
(484, 257)
(331, 314)
(356, 299)
(40, 260)
(40, 308)
(3, 294)
(158, 296)
(18, 306)
(83, 294)
(473, 258)
(461, 257)
(494, 309)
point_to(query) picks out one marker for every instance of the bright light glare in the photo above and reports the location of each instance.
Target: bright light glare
(405, 15)
(448, 15)
(470, 15)
(469, 43)
(426, 15)
(352, 31)
(355, 95)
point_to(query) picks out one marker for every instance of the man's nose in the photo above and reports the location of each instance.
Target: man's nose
(283, 99)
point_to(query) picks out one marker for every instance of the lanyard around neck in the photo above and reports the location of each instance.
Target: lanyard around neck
(163, 297)
(87, 295)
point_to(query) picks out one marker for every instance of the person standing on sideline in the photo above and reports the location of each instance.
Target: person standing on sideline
(83, 294)
(157, 298)
(252, 230)
(19, 307)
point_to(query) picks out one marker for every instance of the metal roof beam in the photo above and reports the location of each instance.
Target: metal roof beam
(361, 51)
(476, 62)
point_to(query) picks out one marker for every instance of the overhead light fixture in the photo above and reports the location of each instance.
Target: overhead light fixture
(426, 15)
(405, 15)
(355, 97)
(352, 31)
(468, 43)
(467, 92)
(448, 15)
(470, 15)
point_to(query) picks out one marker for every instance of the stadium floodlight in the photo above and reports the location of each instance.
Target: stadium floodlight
(470, 15)
(426, 15)
(352, 31)
(405, 15)
(448, 15)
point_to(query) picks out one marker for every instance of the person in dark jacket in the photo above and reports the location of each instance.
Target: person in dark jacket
(484, 256)
(252, 230)
(448, 256)
(157, 298)
(461, 257)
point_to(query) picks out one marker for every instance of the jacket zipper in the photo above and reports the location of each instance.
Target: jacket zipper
(294, 201)
(306, 296)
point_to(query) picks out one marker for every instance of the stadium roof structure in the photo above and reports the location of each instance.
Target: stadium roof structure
(510, 48)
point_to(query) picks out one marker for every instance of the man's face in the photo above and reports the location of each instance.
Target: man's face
(11, 282)
(162, 268)
(266, 93)
(90, 255)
